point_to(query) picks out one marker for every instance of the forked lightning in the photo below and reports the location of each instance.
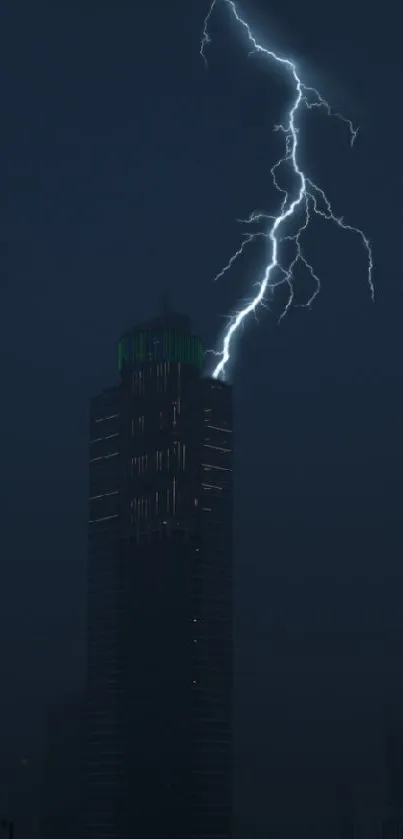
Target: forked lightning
(309, 199)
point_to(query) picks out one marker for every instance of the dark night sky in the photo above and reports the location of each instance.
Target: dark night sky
(123, 168)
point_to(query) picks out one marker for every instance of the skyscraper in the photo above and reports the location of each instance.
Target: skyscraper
(159, 687)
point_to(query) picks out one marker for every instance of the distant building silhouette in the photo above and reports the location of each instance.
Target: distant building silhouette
(159, 686)
(392, 827)
(348, 824)
(61, 787)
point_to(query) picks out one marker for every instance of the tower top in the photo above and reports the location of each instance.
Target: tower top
(167, 337)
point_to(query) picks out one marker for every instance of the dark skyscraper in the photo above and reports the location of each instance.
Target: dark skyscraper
(159, 690)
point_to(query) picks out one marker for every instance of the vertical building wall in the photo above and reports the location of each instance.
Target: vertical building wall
(159, 714)
(211, 756)
(103, 769)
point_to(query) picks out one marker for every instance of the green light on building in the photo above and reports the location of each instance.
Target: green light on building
(163, 345)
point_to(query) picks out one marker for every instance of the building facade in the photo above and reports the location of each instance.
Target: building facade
(158, 756)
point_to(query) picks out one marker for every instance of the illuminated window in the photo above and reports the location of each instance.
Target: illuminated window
(104, 419)
(210, 466)
(219, 428)
(107, 437)
(103, 518)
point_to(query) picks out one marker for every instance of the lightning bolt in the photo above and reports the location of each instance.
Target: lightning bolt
(310, 200)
